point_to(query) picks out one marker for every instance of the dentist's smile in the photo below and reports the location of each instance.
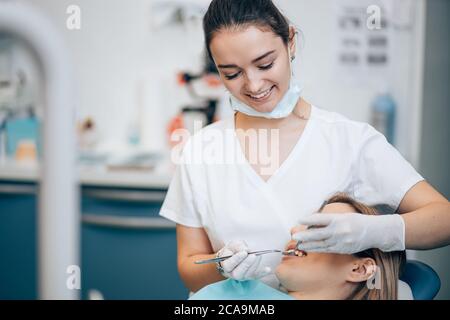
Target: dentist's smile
(263, 96)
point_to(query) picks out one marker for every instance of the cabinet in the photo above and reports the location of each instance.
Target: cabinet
(127, 250)
(18, 234)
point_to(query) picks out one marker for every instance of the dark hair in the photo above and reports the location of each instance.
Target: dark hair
(242, 13)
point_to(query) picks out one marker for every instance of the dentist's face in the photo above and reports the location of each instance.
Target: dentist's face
(253, 64)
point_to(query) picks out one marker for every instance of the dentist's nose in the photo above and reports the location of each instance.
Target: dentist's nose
(253, 85)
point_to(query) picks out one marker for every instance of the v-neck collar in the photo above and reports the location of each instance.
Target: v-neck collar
(287, 163)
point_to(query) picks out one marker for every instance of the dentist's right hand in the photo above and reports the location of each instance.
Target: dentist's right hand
(240, 266)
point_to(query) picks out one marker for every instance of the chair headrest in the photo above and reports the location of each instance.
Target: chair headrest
(422, 279)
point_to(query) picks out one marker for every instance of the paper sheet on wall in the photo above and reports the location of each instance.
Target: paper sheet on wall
(362, 41)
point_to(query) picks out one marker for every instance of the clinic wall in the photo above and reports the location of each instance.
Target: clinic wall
(126, 70)
(435, 155)
(351, 95)
(435, 151)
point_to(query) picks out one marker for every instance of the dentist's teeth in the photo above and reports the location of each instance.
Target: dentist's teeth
(262, 95)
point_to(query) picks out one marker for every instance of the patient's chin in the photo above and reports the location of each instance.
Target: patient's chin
(286, 274)
(280, 271)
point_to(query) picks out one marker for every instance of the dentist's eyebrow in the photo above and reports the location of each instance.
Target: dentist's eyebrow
(230, 66)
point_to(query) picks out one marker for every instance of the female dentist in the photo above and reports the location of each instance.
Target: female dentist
(233, 208)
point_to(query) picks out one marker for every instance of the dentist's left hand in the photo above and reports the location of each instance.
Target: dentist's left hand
(241, 266)
(349, 233)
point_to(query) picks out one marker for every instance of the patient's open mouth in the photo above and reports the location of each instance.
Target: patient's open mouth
(292, 247)
(300, 253)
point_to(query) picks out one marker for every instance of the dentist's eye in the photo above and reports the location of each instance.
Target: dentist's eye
(267, 66)
(231, 77)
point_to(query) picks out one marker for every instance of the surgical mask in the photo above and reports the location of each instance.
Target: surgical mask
(282, 109)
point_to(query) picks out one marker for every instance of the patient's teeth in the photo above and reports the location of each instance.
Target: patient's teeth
(300, 253)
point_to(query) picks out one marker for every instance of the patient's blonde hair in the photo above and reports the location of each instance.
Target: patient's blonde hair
(390, 264)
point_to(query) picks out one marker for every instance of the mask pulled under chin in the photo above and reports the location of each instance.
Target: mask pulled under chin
(281, 110)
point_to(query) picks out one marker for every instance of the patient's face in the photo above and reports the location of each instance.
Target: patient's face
(315, 270)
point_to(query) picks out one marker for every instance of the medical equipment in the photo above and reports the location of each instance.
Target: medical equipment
(58, 218)
(422, 279)
(205, 88)
(281, 110)
(20, 130)
(257, 253)
(383, 112)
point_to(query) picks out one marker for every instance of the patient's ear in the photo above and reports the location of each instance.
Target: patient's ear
(361, 269)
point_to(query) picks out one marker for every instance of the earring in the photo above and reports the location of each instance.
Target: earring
(292, 58)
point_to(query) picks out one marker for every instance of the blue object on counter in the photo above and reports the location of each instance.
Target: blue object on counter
(383, 116)
(21, 129)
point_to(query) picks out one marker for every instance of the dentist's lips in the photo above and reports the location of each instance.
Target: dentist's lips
(263, 96)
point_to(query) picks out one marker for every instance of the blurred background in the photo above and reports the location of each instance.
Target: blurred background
(140, 72)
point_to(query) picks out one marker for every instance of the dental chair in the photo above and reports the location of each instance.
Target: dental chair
(422, 279)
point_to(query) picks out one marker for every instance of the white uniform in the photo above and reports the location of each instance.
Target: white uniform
(232, 202)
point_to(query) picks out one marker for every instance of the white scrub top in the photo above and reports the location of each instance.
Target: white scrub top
(232, 202)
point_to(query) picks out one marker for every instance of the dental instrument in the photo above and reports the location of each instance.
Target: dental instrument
(291, 252)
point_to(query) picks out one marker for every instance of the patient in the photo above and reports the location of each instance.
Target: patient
(323, 275)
